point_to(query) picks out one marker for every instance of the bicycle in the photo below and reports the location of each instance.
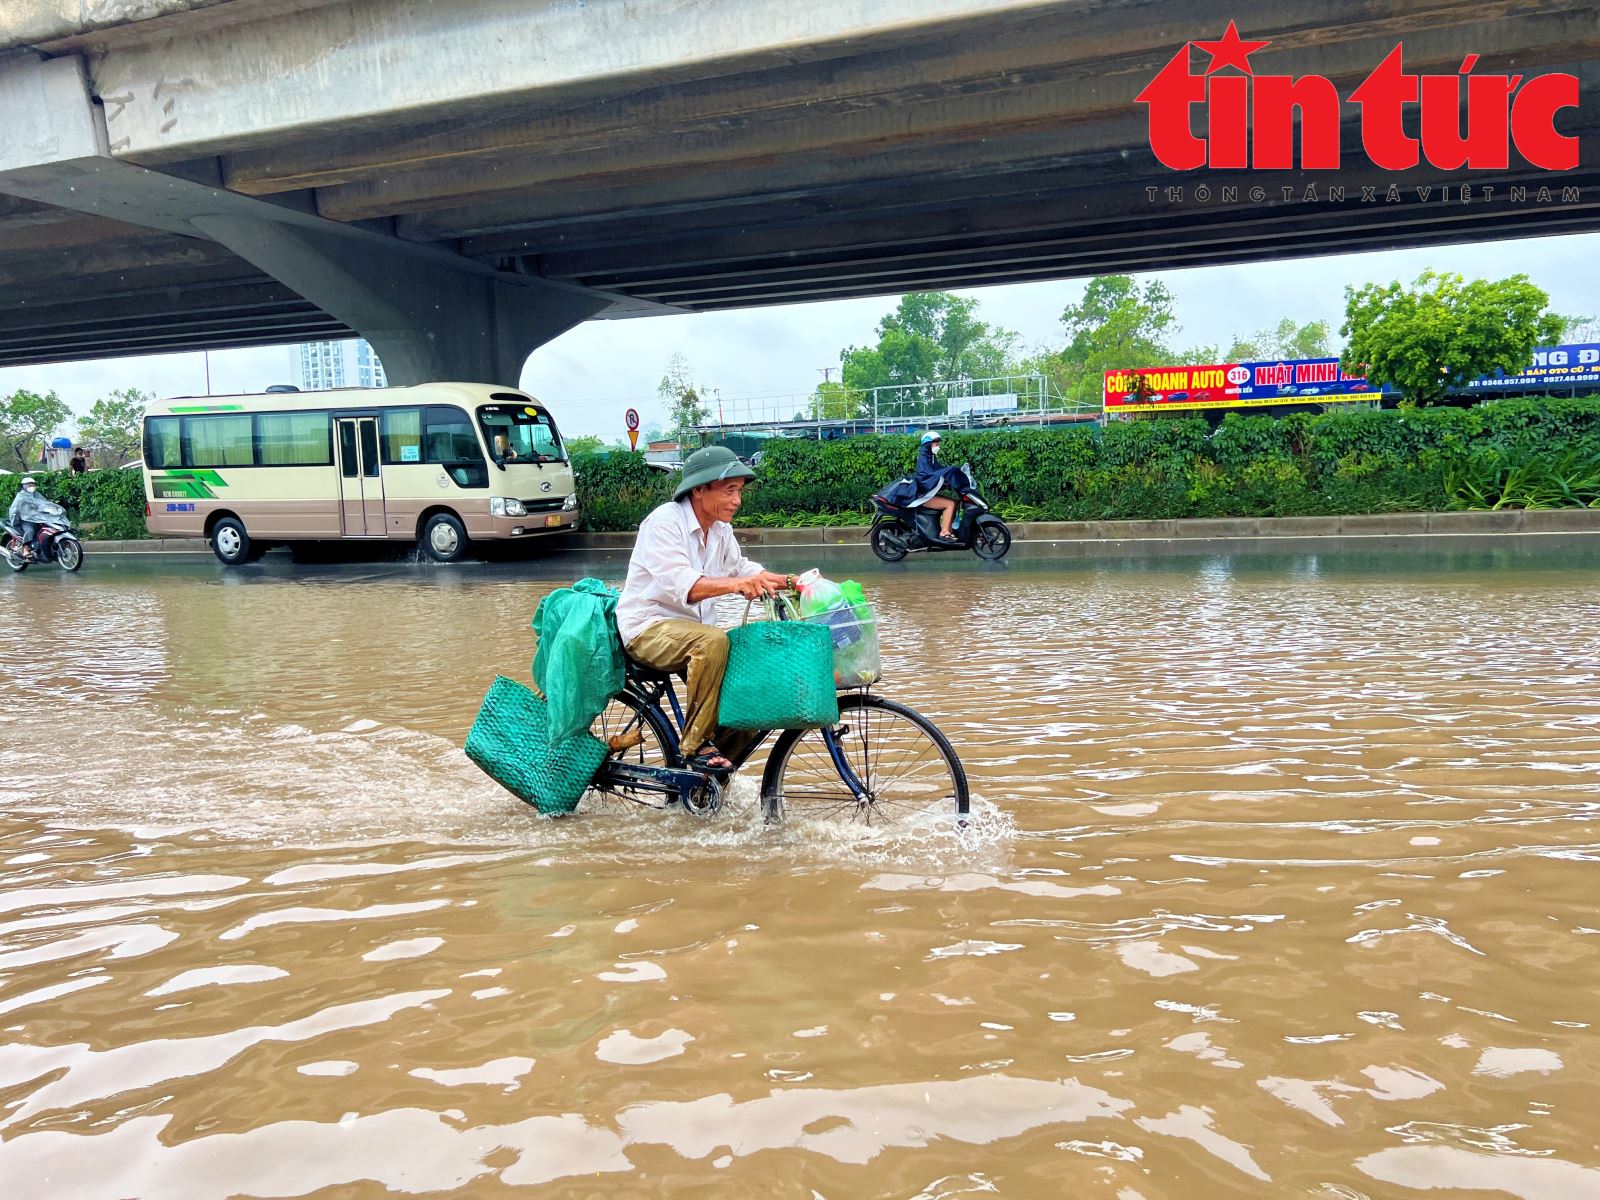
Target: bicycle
(834, 773)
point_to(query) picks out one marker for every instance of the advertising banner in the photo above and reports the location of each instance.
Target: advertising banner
(1313, 381)
(1235, 385)
(1556, 366)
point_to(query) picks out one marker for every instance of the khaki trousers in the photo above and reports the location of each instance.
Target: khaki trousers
(700, 654)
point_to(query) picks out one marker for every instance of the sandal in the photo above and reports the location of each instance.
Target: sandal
(710, 759)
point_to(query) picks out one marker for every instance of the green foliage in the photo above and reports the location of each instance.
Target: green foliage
(931, 335)
(114, 429)
(105, 505)
(1492, 478)
(1116, 325)
(1524, 452)
(1284, 340)
(587, 444)
(833, 401)
(617, 489)
(1579, 329)
(27, 419)
(1431, 338)
(1305, 464)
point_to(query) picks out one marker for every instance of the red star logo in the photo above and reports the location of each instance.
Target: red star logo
(1230, 51)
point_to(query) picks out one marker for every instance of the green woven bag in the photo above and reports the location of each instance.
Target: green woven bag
(510, 740)
(780, 676)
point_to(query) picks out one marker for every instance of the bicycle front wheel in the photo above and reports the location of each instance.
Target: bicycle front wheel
(907, 769)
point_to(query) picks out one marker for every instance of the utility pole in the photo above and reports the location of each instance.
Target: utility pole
(827, 373)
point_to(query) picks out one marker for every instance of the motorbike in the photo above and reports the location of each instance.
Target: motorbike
(901, 526)
(55, 543)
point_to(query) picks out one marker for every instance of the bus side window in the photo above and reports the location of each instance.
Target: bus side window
(163, 443)
(449, 439)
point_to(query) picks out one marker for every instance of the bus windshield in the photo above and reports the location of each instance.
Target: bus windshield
(520, 433)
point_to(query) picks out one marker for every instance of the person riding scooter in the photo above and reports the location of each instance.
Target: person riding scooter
(931, 477)
(28, 513)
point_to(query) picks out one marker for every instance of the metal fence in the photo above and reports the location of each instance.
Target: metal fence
(835, 410)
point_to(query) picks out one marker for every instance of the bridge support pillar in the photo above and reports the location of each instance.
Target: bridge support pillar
(430, 314)
(427, 320)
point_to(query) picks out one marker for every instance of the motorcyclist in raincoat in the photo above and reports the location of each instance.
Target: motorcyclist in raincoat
(28, 512)
(931, 476)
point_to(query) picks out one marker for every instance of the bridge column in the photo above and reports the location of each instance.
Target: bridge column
(429, 314)
(427, 320)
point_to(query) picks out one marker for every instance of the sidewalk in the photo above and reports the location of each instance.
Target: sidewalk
(1076, 538)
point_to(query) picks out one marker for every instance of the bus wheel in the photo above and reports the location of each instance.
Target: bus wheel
(444, 538)
(230, 541)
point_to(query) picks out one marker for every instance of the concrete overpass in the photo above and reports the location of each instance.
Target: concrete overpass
(460, 182)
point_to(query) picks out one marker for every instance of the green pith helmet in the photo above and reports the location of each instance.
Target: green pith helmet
(708, 466)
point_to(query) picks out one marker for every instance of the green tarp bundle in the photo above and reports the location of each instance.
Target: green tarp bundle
(579, 664)
(540, 748)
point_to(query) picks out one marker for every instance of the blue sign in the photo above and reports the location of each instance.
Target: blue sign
(1577, 362)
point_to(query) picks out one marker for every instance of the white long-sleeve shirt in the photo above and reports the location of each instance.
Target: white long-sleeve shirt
(670, 555)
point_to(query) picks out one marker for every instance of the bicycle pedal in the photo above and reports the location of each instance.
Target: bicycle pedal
(618, 742)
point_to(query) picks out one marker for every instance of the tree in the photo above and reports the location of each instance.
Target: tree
(1116, 325)
(587, 444)
(115, 426)
(929, 336)
(27, 420)
(685, 412)
(1580, 329)
(1286, 340)
(833, 401)
(1430, 338)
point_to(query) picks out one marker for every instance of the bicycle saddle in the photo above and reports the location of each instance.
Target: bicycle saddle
(642, 673)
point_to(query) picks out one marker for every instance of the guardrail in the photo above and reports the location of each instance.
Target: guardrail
(994, 402)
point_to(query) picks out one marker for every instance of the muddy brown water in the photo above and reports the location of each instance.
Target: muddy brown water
(1282, 883)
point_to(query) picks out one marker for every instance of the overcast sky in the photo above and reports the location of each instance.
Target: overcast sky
(590, 375)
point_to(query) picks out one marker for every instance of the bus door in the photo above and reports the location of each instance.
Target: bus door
(360, 483)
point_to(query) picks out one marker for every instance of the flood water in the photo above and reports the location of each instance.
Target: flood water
(1281, 883)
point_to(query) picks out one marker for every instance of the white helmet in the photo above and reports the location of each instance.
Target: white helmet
(29, 481)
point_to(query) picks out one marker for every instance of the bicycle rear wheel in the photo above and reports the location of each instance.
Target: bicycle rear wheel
(637, 733)
(907, 768)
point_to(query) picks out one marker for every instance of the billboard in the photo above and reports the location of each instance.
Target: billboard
(1235, 385)
(1315, 381)
(1553, 366)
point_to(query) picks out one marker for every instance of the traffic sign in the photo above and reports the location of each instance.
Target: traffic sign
(632, 419)
(633, 439)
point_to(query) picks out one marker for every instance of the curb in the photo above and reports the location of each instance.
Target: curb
(1192, 529)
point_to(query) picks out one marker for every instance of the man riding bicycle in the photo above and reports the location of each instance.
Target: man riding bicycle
(684, 558)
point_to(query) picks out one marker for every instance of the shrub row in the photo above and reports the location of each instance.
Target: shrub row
(106, 504)
(1519, 452)
(1524, 452)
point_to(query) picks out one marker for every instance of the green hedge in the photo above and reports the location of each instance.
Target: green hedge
(106, 504)
(1520, 452)
(1526, 452)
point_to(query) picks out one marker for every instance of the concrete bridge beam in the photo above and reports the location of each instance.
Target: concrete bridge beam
(430, 314)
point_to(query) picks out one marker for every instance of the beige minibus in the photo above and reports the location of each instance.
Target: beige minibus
(441, 464)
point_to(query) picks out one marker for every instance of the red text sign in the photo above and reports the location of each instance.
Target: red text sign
(1463, 120)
